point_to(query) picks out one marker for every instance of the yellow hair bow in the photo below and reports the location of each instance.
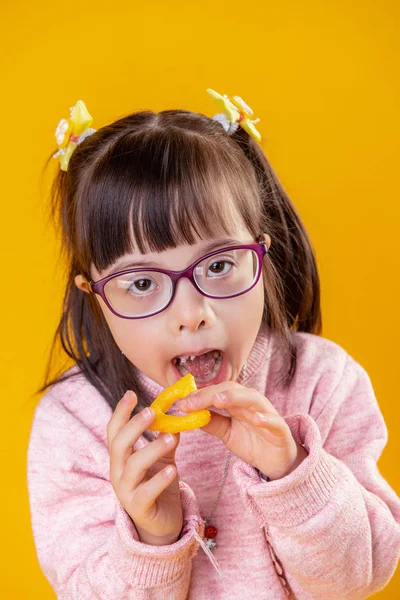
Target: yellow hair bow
(71, 132)
(235, 112)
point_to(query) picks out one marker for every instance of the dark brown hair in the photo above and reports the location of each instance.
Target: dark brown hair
(170, 177)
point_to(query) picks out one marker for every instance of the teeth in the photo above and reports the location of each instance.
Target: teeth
(182, 360)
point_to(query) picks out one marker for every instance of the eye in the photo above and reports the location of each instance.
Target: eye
(142, 285)
(220, 267)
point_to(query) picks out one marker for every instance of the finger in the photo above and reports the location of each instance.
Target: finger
(219, 425)
(238, 396)
(251, 406)
(137, 465)
(204, 398)
(246, 398)
(121, 415)
(122, 444)
(236, 412)
(148, 493)
(274, 423)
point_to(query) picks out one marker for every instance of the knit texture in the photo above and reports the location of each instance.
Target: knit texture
(329, 530)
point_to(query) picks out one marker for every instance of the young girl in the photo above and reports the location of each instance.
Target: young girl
(185, 254)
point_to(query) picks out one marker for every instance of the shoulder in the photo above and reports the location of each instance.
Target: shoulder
(338, 382)
(318, 356)
(68, 436)
(72, 404)
(326, 361)
(324, 370)
(341, 395)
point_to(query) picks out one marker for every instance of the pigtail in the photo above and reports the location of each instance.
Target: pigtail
(291, 280)
(291, 250)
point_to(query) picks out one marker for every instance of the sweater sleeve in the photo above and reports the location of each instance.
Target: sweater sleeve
(333, 524)
(86, 543)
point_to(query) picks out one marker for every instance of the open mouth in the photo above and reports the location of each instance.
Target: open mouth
(204, 368)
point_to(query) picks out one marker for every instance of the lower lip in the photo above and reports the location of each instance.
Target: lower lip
(221, 376)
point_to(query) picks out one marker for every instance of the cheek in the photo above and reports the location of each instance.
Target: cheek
(128, 334)
(247, 308)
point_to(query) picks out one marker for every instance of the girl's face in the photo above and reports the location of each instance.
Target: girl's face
(191, 325)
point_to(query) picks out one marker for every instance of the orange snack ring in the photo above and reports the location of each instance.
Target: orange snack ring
(176, 424)
(171, 423)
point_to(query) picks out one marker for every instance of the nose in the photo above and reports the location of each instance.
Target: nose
(189, 309)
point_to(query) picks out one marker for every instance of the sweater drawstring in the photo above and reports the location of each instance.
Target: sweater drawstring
(208, 553)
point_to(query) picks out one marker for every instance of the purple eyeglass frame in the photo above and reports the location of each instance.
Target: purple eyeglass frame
(260, 248)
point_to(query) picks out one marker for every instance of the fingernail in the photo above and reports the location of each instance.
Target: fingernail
(169, 439)
(221, 398)
(169, 471)
(263, 418)
(147, 413)
(196, 401)
(128, 397)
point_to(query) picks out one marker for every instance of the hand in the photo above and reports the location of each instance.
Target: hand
(255, 432)
(148, 493)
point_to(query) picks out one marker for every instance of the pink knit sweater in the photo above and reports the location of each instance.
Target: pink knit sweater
(329, 530)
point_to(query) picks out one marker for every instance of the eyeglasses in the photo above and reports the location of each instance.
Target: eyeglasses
(139, 293)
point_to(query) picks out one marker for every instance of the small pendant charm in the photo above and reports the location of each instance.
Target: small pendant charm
(211, 544)
(211, 531)
(210, 534)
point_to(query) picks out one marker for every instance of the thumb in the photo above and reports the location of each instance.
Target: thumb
(219, 425)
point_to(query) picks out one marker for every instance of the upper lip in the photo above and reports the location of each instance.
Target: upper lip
(196, 352)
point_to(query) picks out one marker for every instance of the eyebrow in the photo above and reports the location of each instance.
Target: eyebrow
(127, 264)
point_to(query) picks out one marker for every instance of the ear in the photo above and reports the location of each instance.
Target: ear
(81, 283)
(267, 239)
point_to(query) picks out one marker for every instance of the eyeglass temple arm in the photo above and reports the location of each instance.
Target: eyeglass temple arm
(89, 283)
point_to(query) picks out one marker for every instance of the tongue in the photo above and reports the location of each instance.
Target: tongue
(202, 366)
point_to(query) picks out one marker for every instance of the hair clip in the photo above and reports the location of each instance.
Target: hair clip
(235, 112)
(71, 132)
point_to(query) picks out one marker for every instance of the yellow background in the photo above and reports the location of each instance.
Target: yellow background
(324, 79)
